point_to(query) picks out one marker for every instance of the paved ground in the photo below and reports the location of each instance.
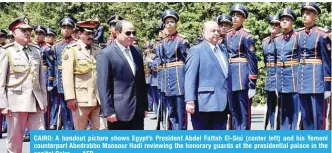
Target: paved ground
(256, 123)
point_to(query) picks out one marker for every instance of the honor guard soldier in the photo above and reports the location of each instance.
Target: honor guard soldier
(225, 24)
(67, 25)
(269, 54)
(111, 22)
(163, 106)
(243, 63)
(10, 37)
(80, 77)
(174, 53)
(3, 36)
(22, 88)
(314, 76)
(287, 68)
(40, 32)
(48, 55)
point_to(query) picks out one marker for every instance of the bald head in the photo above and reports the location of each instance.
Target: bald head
(211, 32)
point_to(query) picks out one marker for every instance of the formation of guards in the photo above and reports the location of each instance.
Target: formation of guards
(63, 73)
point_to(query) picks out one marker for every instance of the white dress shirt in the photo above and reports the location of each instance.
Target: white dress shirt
(127, 53)
(221, 59)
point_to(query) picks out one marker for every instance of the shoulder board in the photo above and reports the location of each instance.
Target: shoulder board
(182, 36)
(323, 29)
(300, 29)
(267, 38)
(249, 36)
(8, 45)
(71, 45)
(246, 30)
(34, 45)
(95, 45)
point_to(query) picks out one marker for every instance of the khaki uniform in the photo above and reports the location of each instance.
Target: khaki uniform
(80, 83)
(22, 90)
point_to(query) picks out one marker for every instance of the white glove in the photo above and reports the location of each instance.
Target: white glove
(327, 94)
(251, 93)
(49, 88)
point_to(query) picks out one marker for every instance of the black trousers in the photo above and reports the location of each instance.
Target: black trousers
(136, 123)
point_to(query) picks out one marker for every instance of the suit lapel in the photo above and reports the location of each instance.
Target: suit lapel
(120, 53)
(214, 58)
(225, 56)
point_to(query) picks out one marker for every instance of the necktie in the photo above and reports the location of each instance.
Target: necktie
(221, 61)
(130, 61)
(25, 49)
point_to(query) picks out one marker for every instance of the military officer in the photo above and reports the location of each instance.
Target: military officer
(111, 22)
(287, 54)
(243, 63)
(225, 24)
(40, 32)
(314, 75)
(80, 76)
(67, 25)
(48, 56)
(269, 54)
(174, 52)
(22, 88)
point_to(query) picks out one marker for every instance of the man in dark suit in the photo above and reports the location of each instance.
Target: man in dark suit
(121, 81)
(208, 81)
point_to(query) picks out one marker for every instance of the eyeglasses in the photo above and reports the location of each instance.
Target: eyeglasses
(128, 33)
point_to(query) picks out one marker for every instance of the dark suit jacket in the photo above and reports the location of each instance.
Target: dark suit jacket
(121, 92)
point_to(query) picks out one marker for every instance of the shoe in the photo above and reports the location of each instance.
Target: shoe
(153, 118)
(53, 127)
(26, 138)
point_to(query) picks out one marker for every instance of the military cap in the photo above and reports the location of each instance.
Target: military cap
(161, 26)
(223, 18)
(40, 28)
(114, 19)
(9, 33)
(239, 8)
(274, 19)
(287, 12)
(50, 31)
(67, 21)
(21, 23)
(311, 6)
(88, 25)
(170, 13)
(3, 32)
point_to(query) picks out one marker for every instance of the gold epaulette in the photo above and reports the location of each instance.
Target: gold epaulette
(246, 30)
(8, 45)
(267, 38)
(323, 29)
(182, 36)
(298, 30)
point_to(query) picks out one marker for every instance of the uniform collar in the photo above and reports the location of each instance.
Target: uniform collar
(237, 29)
(310, 29)
(173, 36)
(83, 45)
(287, 35)
(42, 44)
(19, 46)
(67, 39)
